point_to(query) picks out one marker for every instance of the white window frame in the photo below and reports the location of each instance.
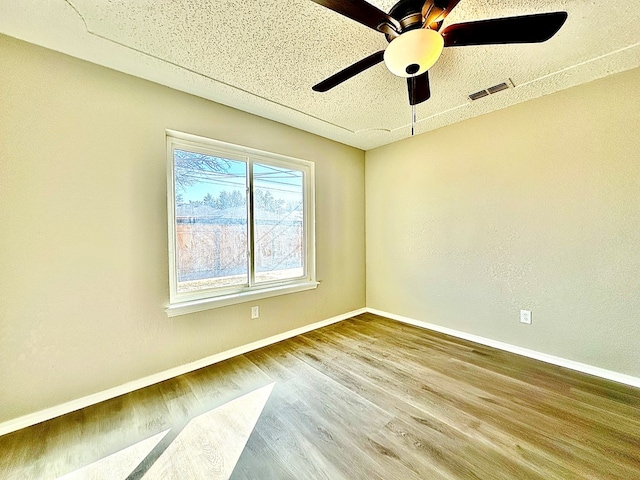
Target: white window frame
(189, 302)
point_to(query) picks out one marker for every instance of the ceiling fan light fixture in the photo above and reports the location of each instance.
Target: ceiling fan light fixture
(414, 52)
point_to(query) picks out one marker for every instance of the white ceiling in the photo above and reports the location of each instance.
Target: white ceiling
(263, 56)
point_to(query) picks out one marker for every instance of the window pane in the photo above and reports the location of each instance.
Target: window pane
(278, 225)
(211, 221)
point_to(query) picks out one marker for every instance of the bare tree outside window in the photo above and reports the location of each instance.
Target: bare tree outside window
(212, 221)
(278, 223)
(211, 224)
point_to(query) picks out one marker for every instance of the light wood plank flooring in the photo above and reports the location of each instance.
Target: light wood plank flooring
(367, 398)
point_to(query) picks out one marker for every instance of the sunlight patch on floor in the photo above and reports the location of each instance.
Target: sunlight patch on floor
(208, 447)
(119, 464)
(211, 444)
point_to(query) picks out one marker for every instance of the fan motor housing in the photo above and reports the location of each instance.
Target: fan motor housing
(409, 15)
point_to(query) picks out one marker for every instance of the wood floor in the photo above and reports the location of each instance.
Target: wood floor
(367, 398)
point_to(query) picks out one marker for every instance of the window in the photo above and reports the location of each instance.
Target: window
(241, 224)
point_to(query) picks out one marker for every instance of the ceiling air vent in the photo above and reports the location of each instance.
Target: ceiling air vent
(491, 90)
(497, 88)
(477, 95)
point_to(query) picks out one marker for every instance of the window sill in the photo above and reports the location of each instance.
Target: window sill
(193, 306)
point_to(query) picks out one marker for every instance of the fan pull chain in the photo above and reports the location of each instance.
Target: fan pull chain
(413, 119)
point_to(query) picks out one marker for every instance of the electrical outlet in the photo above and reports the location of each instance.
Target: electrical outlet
(255, 312)
(525, 316)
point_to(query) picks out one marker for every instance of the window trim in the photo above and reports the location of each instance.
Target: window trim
(183, 303)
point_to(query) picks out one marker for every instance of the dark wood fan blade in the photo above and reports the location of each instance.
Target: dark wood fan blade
(523, 29)
(349, 72)
(363, 12)
(419, 89)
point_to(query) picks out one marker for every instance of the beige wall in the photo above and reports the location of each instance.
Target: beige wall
(83, 239)
(535, 207)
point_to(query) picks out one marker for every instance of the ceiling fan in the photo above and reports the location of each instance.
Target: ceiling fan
(412, 28)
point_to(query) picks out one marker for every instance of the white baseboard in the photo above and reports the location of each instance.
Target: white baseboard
(68, 407)
(562, 362)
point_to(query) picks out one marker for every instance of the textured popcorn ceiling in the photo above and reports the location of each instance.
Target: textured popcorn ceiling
(263, 56)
